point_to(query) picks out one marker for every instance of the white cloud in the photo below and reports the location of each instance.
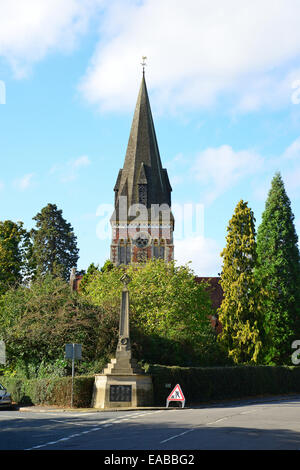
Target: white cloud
(203, 252)
(293, 150)
(30, 29)
(70, 170)
(81, 162)
(197, 50)
(291, 179)
(25, 182)
(219, 169)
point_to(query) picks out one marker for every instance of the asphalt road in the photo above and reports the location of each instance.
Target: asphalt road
(252, 424)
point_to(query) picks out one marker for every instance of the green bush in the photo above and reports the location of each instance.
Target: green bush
(50, 391)
(37, 322)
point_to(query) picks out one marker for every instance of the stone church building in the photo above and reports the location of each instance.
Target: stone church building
(142, 222)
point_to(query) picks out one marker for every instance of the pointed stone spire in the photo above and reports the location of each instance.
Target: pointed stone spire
(142, 164)
(142, 221)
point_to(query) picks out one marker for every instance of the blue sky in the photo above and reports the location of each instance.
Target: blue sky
(224, 88)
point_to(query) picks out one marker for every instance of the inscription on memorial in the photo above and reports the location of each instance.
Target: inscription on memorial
(120, 393)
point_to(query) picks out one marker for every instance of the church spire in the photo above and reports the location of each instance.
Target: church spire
(142, 181)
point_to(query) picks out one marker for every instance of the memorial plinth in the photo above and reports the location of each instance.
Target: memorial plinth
(122, 383)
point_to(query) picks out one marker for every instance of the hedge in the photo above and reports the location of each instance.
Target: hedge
(50, 391)
(217, 383)
(199, 385)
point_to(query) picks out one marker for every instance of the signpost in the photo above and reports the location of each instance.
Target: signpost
(2, 353)
(176, 395)
(73, 351)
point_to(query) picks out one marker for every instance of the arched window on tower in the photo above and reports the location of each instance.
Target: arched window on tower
(128, 252)
(124, 252)
(159, 249)
(155, 249)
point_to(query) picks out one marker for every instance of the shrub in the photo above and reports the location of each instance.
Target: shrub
(50, 391)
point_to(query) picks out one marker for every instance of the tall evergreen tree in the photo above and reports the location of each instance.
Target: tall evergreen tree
(14, 249)
(54, 243)
(278, 274)
(238, 313)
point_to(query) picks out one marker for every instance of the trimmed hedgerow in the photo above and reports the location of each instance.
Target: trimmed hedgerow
(217, 383)
(199, 385)
(50, 391)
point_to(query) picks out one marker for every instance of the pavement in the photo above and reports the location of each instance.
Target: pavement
(248, 400)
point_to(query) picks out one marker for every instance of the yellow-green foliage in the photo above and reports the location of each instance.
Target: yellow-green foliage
(168, 310)
(239, 310)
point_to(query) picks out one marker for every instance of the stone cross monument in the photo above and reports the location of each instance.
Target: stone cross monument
(122, 383)
(123, 362)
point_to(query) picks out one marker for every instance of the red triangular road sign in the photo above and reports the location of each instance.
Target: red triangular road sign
(176, 394)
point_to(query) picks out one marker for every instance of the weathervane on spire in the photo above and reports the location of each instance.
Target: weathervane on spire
(143, 63)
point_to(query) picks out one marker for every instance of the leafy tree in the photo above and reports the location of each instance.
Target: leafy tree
(238, 313)
(168, 312)
(92, 271)
(278, 274)
(108, 266)
(37, 322)
(54, 243)
(14, 249)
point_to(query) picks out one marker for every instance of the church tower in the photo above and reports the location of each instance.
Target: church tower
(142, 222)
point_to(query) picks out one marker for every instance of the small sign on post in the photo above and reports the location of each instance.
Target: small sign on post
(73, 351)
(2, 353)
(176, 395)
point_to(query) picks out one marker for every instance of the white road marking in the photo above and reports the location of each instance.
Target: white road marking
(70, 422)
(93, 428)
(177, 435)
(206, 424)
(247, 412)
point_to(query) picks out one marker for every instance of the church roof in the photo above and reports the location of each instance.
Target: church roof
(142, 164)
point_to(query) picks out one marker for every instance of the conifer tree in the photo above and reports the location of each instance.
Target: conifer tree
(238, 313)
(278, 274)
(14, 249)
(54, 243)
